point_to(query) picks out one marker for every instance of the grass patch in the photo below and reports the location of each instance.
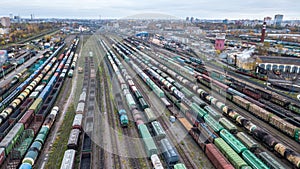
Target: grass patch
(291, 94)
(61, 140)
(258, 81)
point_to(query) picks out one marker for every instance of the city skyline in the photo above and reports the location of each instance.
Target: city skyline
(92, 9)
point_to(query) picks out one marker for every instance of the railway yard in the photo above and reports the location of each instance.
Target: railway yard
(102, 101)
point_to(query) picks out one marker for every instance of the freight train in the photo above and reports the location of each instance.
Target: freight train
(26, 87)
(38, 108)
(36, 147)
(149, 144)
(170, 158)
(256, 109)
(235, 159)
(259, 94)
(11, 85)
(218, 128)
(291, 156)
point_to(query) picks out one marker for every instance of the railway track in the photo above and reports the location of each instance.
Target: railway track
(185, 158)
(60, 102)
(279, 108)
(258, 122)
(280, 136)
(134, 162)
(111, 120)
(91, 110)
(100, 150)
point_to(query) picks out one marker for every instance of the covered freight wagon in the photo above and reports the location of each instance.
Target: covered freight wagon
(149, 144)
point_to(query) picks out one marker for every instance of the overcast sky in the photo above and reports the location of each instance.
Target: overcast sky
(204, 9)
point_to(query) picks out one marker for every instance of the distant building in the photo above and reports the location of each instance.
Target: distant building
(246, 64)
(187, 19)
(268, 20)
(17, 19)
(192, 19)
(4, 31)
(5, 21)
(3, 56)
(283, 64)
(278, 19)
(220, 41)
(225, 21)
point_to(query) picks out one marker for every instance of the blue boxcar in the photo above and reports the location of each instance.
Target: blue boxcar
(169, 152)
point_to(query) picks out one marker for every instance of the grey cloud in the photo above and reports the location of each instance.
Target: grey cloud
(121, 8)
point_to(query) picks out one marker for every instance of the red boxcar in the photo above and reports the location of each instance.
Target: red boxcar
(251, 93)
(27, 118)
(216, 157)
(61, 57)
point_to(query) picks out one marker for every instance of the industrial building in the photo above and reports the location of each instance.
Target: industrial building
(284, 64)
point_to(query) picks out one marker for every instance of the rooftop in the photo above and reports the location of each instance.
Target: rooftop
(279, 59)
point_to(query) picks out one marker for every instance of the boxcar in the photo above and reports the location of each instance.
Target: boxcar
(156, 162)
(216, 157)
(228, 125)
(68, 159)
(179, 166)
(247, 141)
(73, 139)
(149, 114)
(143, 103)
(270, 161)
(158, 130)
(253, 161)
(149, 144)
(211, 122)
(230, 154)
(169, 152)
(232, 141)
